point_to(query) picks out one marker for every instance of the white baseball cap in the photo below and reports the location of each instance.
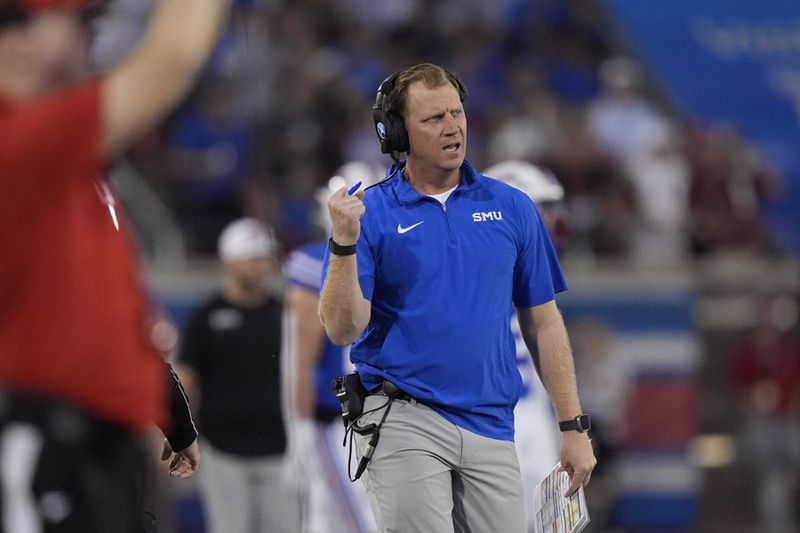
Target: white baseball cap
(246, 238)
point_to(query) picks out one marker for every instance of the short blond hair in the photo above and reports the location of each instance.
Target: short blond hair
(432, 76)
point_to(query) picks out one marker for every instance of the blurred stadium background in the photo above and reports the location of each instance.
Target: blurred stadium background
(674, 127)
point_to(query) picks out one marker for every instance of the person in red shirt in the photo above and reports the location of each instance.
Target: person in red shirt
(764, 376)
(79, 375)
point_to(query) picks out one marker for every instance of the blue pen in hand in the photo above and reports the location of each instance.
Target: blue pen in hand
(353, 189)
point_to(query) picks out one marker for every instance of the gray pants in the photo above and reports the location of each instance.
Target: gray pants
(428, 475)
(247, 494)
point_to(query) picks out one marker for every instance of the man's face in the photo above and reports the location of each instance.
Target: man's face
(54, 46)
(437, 127)
(251, 274)
(66, 39)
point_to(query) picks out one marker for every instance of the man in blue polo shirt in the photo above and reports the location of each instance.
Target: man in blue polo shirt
(423, 273)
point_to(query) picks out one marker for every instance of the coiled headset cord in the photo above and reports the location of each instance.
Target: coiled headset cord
(370, 429)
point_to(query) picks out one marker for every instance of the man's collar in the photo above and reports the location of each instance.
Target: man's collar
(407, 194)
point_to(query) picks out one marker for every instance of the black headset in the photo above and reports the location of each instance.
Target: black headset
(389, 126)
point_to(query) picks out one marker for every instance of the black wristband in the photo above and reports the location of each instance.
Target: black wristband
(181, 432)
(338, 249)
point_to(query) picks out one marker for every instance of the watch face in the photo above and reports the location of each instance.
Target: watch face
(585, 422)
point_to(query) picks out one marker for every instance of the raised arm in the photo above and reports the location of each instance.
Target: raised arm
(543, 330)
(141, 91)
(342, 307)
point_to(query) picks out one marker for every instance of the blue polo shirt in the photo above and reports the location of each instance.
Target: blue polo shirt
(443, 281)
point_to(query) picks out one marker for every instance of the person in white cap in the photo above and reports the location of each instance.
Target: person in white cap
(230, 355)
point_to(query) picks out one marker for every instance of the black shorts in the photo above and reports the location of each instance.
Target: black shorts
(64, 471)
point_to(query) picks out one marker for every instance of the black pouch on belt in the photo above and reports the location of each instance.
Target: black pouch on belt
(351, 393)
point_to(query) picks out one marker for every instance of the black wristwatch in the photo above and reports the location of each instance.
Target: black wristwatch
(338, 249)
(581, 424)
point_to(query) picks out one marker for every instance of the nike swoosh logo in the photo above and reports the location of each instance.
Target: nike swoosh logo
(401, 229)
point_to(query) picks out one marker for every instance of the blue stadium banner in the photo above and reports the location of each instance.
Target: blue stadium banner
(733, 61)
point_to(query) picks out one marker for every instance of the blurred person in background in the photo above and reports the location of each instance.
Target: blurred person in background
(659, 174)
(765, 378)
(335, 505)
(535, 423)
(406, 279)
(230, 363)
(646, 147)
(80, 377)
(528, 125)
(620, 118)
(731, 185)
(599, 195)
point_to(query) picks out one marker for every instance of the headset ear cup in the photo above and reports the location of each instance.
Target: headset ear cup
(390, 127)
(396, 134)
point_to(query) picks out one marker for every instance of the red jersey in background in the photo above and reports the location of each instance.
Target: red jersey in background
(73, 316)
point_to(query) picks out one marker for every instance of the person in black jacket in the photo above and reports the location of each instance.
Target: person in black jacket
(229, 362)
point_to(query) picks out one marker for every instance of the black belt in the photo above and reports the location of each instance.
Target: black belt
(60, 419)
(390, 390)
